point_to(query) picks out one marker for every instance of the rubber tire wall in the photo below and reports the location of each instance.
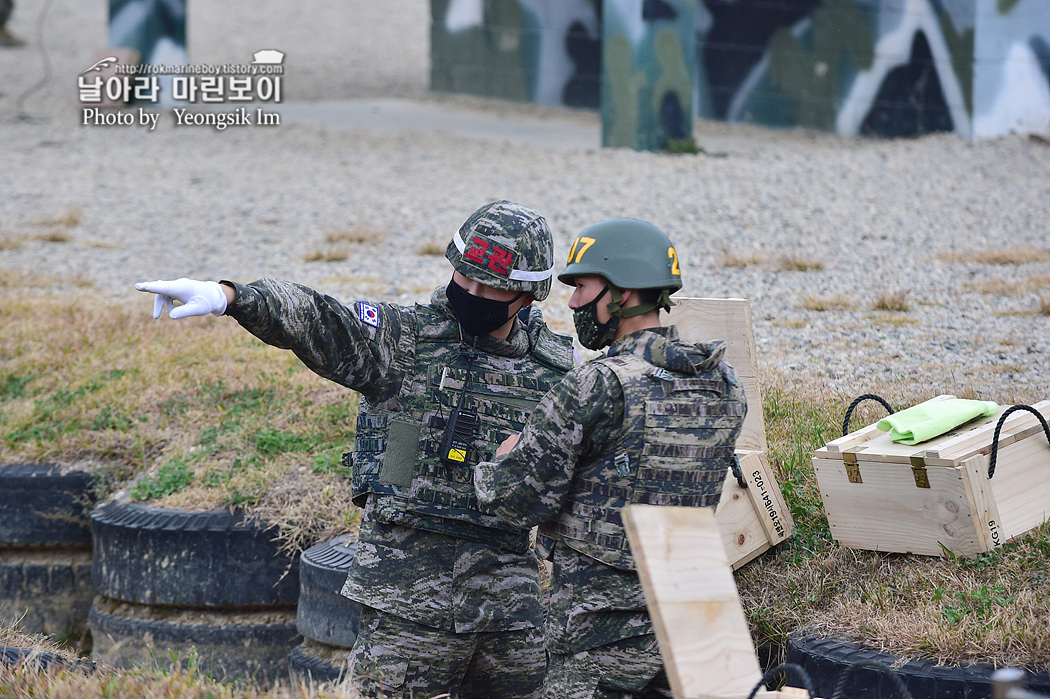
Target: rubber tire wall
(170, 580)
(189, 559)
(824, 659)
(45, 548)
(328, 621)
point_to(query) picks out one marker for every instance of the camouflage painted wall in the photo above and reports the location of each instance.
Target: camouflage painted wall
(880, 67)
(649, 50)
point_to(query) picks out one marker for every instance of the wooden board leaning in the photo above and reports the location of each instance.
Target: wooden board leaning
(753, 517)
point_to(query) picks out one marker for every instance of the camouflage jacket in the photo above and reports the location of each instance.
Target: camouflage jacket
(577, 423)
(442, 581)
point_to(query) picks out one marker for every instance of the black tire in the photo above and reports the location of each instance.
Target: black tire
(229, 645)
(46, 591)
(42, 506)
(825, 659)
(211, 559)
(42, 660)
(312, 663)
(324, 615)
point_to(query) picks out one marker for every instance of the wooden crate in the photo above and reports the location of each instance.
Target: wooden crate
(754, 518)
(883, 496)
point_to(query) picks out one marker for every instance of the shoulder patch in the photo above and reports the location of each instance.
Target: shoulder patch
(368, 314)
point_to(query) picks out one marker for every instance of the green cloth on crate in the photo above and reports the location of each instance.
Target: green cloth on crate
(923, 422)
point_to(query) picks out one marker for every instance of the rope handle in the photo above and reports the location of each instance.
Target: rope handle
(866, 396)
(999, 426)
(783, 670)
(840, 686)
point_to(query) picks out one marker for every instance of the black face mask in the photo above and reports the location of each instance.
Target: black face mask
(592, 334)
(478, 316)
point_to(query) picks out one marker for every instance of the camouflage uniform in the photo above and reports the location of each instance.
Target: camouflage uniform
(612, 432)
(450, 594)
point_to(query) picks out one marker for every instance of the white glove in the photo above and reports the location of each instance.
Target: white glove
(197, 298)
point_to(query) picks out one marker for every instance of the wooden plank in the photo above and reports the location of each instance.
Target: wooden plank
(692, 599)
(706, 319)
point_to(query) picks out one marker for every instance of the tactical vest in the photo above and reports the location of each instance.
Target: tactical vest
(679, 434)
(397, 453)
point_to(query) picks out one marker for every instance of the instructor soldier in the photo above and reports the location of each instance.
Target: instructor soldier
(449, 593)
(653, 421)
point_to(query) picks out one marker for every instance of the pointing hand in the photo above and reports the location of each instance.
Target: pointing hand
(197, 298)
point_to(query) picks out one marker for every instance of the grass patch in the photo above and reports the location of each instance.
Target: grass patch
(69, 219)
(356, 235)
(1044, 305)
(336, 254)
(11, 242)
(1013, 287)
(1016, 255)
(895, 301)
(728, 258)
(432, 249)
(800, 263)
(835, 302)
(191, 414)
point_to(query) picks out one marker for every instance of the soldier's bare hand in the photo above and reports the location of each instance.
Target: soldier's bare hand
(508, 444)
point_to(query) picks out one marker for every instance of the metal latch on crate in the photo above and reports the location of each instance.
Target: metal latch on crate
(849, 457)
(918, 470)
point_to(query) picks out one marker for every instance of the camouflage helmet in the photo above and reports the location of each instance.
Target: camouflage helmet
(629, 253)
(506, 246)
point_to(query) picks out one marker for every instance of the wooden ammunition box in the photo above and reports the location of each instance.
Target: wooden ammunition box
(937, 496)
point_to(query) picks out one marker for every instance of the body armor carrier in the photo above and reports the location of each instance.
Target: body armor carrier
(397, 455)
(678, 440)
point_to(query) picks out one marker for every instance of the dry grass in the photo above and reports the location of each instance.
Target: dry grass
(357, 235)
(1044, 305)
(728, 258)
(57, 235)
(800, 263)
(69, 219)
(11, 242)
(1013, 286)
(27, 681)
(835, 302)
(432, 249)
(334, 254)
(338, 243)
(991, 608)
(1017, 255)
(896, 301)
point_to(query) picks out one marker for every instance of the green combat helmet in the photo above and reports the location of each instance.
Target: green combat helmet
(506, 246)
(628, 254)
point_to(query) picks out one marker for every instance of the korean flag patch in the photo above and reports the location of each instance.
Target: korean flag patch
(368, 314)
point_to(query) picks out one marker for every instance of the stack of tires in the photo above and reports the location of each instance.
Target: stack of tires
(45, 550)
(328, 621)
(207, 588)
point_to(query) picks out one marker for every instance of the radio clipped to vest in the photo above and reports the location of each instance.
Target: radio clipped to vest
(462, 424)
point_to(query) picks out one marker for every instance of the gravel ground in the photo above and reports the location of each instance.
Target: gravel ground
(87, 211)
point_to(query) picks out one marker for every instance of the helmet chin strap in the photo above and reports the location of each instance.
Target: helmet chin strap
(616, 309)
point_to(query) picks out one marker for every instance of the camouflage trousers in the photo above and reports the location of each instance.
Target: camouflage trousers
(397, 658)
(628, 669)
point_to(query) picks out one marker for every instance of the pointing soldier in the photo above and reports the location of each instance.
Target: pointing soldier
(449, 593)
(655, 420)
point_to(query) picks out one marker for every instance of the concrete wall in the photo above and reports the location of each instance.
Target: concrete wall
(879, 67)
